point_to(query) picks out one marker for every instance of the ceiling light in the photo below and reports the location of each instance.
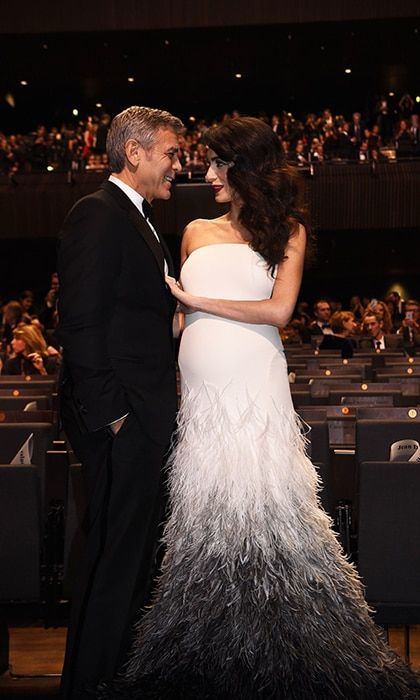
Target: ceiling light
(75, 112)
(347, 70)
(238, 75)
(24, 83)
(130, 80)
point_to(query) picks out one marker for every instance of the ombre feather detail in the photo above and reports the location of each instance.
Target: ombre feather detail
(256, 599)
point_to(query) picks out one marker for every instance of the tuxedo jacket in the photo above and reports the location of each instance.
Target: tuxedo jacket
(392, 342)
(352, 130)
(115, 314)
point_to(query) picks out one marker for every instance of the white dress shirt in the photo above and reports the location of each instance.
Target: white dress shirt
(137, 200)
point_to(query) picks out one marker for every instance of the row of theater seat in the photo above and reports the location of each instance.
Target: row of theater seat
(353, 420)
(356, 410)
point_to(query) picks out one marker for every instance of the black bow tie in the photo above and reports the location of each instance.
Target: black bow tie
(147, 210)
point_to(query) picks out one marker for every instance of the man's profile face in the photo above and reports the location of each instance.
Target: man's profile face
(323, 312)
(158, 166)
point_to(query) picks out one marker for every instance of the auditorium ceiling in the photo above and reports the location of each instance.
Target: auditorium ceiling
(203, 72)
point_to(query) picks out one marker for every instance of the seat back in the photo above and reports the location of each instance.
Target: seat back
(374, 437)
(18, 403)
(20, 533)
(319, 451)
(389, 531)
(14, 435)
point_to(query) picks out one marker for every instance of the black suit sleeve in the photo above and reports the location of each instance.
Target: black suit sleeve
(89, 266)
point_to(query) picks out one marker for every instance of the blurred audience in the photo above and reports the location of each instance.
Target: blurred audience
(373, 325)
(30, 353)
(322, 314)
(343, 326)
(314, 139)
(410, 324)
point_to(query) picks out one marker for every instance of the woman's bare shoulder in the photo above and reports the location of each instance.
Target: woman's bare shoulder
(200, 224)
(201, 232)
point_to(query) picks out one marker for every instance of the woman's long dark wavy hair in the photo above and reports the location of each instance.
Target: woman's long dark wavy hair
(269, 190)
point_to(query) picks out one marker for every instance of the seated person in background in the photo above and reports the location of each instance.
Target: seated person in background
(298, 156)
(356, 307)
(316, 151)
(330, 144)
(344, 144)
(396, 308)
(342, 326)
(315, 330)
(31, 354)
(373, 326)
(291, 334)
(26, 300)
(382, 309)
(410, 324)
(48, 315)
(12, 316)
(322, 313)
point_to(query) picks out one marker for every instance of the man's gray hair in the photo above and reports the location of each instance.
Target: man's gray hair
(140, 124)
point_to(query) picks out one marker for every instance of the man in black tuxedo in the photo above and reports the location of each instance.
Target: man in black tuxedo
(118, 392)
(377, 340)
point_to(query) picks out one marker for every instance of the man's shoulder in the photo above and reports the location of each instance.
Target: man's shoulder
(98, 198)
(93, 203)
(97, 211)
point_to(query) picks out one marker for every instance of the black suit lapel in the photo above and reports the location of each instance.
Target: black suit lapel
(168, 257)
(139, 222)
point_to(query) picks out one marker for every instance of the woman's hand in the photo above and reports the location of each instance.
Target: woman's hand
(188, 302)
(37, 362)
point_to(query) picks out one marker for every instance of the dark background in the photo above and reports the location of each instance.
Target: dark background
(293, 67)
(183, 56)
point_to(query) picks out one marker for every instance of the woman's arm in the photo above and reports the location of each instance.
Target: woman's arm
(275, 311)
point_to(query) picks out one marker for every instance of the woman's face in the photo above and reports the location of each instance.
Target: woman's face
(349, 326)
(18, 345)
(217, 177)
(378, 307)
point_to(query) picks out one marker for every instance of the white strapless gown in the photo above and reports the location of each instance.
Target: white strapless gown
(256, 599)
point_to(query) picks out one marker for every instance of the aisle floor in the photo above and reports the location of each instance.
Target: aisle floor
(35, 651)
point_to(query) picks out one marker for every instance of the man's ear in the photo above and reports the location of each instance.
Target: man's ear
(133, 153)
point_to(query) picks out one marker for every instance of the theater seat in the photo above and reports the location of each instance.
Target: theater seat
(18, 403)
(319, 452)
(389, 531)
(20, 533)
(389, 542)
(374, 437)
(13, 436)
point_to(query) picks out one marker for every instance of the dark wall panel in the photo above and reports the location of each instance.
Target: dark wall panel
(368, 227)
(340, 198)
(77, 16)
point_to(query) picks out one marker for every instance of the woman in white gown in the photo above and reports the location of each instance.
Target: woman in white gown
(256, 599)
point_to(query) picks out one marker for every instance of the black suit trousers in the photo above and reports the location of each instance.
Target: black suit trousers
(123, 477)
